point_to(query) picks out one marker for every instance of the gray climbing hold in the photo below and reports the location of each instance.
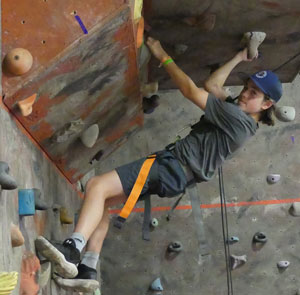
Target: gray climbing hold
(285, 113)
(68, 131)
(7, 182)
(295, 209)
(233, 240)
(175, 247)
(149, 89)
(154, 222)
(156, 285)
(283, 264)
(260, 237)
(252, 40)
(90, 136)
(237, 261)
(273, 178)
(180, 49)
(39, 203)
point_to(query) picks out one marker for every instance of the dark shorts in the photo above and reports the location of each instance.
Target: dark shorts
(166, 177)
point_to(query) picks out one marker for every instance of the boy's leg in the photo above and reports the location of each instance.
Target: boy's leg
(99, 189)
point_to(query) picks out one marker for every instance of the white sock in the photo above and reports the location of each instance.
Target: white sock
(79, 240)
(90, 259)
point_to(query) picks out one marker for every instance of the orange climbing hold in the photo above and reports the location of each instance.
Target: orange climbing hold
(18, 61)
(26, 104)
(140, 32)
(17, 238)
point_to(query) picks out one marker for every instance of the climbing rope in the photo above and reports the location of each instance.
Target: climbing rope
(225, 231)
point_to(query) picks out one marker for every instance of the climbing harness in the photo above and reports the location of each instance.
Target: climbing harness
(135, 192)
(225, 231)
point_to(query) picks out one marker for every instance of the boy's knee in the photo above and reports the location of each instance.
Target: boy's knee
(93, 182)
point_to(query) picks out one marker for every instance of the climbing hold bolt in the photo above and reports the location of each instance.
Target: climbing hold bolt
(6, 181)
(18, 61)
(233, 240)
(285, 113)
(26, 104)
(175, 247)
(90, 136)
(283, 264)
(237, 261)
(273, 178)
(252, 40)
(156, 285)
(295, 209)
(154, 222)
(260, 237)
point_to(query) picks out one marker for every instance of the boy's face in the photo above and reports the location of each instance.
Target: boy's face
(251, 99)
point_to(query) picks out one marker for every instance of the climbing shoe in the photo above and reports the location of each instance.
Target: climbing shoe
(64, 256)
(86, 273)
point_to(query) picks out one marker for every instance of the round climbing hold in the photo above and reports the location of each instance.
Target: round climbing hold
(283, 264)
(273, 178)
(260, 237)
(18, 61)
(233, 240)
(175, 247)
(154, 222)
(285, 113)
(156, 285)
(295, 209)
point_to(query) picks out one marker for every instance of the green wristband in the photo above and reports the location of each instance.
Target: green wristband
(168, 61)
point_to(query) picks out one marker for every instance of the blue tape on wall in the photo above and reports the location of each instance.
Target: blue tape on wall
(81, 24)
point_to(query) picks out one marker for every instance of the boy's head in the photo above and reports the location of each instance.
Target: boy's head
(262, 90)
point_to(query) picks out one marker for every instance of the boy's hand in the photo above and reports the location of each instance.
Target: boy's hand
(243, 55)
(156, 49)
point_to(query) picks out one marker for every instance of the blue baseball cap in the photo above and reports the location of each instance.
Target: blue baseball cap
(268, 83)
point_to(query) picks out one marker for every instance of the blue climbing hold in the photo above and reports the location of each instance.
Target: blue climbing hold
(26, 202)
(232, 240)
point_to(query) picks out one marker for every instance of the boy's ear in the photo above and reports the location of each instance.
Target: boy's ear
(267, 104)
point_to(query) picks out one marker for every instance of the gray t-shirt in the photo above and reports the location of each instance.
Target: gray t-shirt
(220, 132)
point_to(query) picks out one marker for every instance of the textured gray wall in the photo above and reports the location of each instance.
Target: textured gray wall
(129, 264)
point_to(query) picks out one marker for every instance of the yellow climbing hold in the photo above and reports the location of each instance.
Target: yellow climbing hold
(138, 6)
(8, 282)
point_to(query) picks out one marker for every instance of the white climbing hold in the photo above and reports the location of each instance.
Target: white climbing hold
(154, 222)
(156, 285)
(236, 261)
(90, 136)
(285, 113)
(273, 178)
(149, 89)
(283, 264)
(233, 240)
(252, 40)
(295, 209)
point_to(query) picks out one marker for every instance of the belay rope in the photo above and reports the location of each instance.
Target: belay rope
(225, 231)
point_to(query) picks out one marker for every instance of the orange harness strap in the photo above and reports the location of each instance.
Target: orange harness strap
(136, 191)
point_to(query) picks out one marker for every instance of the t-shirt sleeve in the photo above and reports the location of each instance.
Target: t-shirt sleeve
(224, 115)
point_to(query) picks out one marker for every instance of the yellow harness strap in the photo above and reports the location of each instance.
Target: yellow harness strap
(136, 191)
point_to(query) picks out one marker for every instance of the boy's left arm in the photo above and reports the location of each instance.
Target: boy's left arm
(214, 84)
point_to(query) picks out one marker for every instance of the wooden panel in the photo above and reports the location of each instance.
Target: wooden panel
(27, 24)
(206, 48)
(95, 80)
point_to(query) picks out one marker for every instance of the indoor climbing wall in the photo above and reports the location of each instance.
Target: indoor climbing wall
(200, 35)
(254, 205)
(84, 74)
